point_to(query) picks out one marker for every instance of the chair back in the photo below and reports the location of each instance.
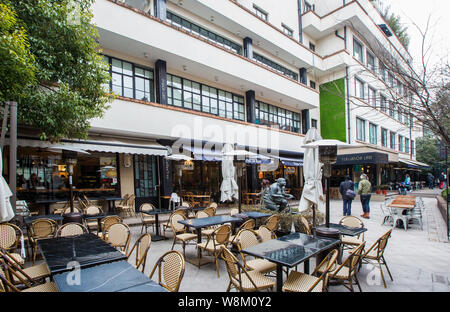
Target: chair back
(177, 227)
(10, 235)
(272, 222)
(381, 243)
(130, 201)
(43, 228)
(93, 210)
(248, 225)
(234, 211)
(305, 224)
(68, 210)
(124, 199)
(247, 238)
(330, 262)
(171, 266)
(213, 204)
(222, 234)
(351, 221)
(264, 233)
(118, 235)
(202, 214)
(71, 229)
(352, 260)
(107, 221)
(235, 269)
(141, 247)
(211, 211)
(146, 207)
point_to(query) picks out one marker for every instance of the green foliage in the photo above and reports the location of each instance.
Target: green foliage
(332, 110)
(427, 151)
(444, 193)
(17, 69)
(395, 24)
(71, 75)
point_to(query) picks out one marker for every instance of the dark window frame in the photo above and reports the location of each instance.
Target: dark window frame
(290, 120)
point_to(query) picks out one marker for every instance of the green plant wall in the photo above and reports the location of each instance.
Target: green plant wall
(332, 110)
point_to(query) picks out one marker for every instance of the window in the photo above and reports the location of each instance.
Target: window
(400, 114)
(261, 13)
(384, 134)
(372, 97)
(307, 7)
(358, 50)
(406, 145)
(373, 133)
(312, 46)
(383, 105)
(189, 94)
(314, 123)
(359, 88)
(206, 34)
(145, 175)
(360, 129)
(287, 30)
(370, 61)
(382, 71)
(312, 84)
(391, 80)
(412, 147)
(271, 115)
(392, 109)
(392, 139)
(130, 80)
(282, 70)
(400, 143)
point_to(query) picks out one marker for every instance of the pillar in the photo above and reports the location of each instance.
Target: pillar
(161, 81)
(248, 48)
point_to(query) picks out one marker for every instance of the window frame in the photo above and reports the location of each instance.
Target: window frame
(373, 133)
(361, 89)
(374, 98)
(287, 30)
(371, 67)
(360, 125)
(262, 14)
(355, 40)
(384, 137)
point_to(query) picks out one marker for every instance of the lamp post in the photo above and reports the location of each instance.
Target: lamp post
(327, 156)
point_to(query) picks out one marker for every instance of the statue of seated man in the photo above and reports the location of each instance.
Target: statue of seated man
(275, 197)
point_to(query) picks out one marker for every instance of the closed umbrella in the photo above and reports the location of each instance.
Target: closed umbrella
(6, 211)
(312, 193)
(229, 187)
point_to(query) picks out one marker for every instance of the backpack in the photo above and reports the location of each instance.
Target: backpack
(350, 194)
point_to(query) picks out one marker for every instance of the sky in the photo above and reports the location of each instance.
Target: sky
(418, 11)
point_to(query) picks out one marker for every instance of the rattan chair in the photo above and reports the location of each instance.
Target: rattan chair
(92, 225)
(147, 220)
(118, 235)
(166, 224)
(345, 274)
(241, 279)
(214, 242)
(305, 224)
(106, 222)
(141, 247)
(265, 234)
(128, 207)
(349, 242)
(71, 229)
(10, 237)
(375, 255)
(209, 230)
(211, 211)
(272, 222)
(302, 282)
(16, 273)
(41, 228)
(247, 225)
(179, 231)
(245, 239)
(234, 211)
(7, 286)
(213, 204)
(171, 266)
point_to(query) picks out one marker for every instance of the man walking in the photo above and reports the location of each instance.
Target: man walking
(347, 198)
(364, 189)
(430, 178)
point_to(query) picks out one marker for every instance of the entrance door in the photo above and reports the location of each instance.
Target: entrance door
(145, 180)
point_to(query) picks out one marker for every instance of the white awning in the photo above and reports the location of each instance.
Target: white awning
(123, 146)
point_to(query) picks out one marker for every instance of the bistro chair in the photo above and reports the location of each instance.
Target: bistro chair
(128, 207)
(10, 237)
(234, 211)
(71, 229)
(166, 225)
(141, 247)
(349, 242)
(345, 274)
(306, 225)
(82, 205)
(241, 279)
(387, 214)
(106, 222)
(41, 228)
(247, 238)
(122, 202)
(179, 231)
(247, 225)
(272, 222)
(211, 211)
(302, 282)
(92, 211)
(171, 266)
(209, 230)
(214, 242)
(375, 255)
(147, 220)
(213, 204)
(7, 286)
(265, 233)
(16, 272)
(416, 214)
(68, 210)
(118, 235)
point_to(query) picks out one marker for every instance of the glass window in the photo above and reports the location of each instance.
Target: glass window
(382, 71)
(358, 50)
(360, 129)
(282, 70)
(383, 105)
(373, 133)
(392, 140)
(370, 61)
(314, 123)
(312, 46)
(359, 88)
(372, 97)
(384, 134)
(287, 30)
(274, 116)
(412, 147)
(406, 145)
(260, 13)
(307, 7)
(392, 109)
(312, 84)
(400, 143)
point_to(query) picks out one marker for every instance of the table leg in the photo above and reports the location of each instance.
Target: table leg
(306, 266)
(200, 260)
(279, 277)
(156, 237)
(47, 209)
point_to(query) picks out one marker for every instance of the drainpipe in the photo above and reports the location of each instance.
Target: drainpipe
(348, 105)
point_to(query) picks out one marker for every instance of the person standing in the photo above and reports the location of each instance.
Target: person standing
(364, 189)
(430, 178)
(347, 198)
(408, 182)
(442, 179)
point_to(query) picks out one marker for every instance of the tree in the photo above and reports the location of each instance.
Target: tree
(394, 22)
(71, 77)
(427, 151)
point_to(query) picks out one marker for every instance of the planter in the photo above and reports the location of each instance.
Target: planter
(385, 192)
(378, 192)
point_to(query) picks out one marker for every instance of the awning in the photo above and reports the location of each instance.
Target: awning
(106, 145)
(288, 161)
(410, 163)
(209, 154)
(362, 158)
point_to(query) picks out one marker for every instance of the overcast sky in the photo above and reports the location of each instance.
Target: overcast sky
(418, 11)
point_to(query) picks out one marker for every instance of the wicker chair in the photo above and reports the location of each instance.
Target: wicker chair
(171, 266)
(234, 211)
(241, 279)
(247, 238)
(10, 237)
(345, 273)
(375, 254)
(207, 232)
(71, 229)
(211, 211)
(105, 223)
(214, 242)
(142, 245)
(166, 224)
(92, 225)
(16, 273)
(265, 233)
(128, 207)
(305, 224)
(41, 228)
(118, 235)
(213, 204)
(301, 282)
(247, 225)
(349, 242)
(179, 231)
(7, 286)
(272, 222)
(147, 220)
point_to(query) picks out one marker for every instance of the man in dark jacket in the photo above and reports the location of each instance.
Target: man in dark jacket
(343, 188)
(430, 178)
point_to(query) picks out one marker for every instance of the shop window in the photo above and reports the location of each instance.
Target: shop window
(145, 176)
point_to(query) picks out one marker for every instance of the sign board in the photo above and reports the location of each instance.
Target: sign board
(362, 159)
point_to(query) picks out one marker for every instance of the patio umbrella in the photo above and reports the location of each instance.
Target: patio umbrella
(6, 211)
(312, 193)
(229, 187)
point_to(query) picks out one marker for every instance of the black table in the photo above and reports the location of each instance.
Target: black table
(47, 202)
(29, 220)
(87, 250)
(346, 230)
(98, 217)
(252, 215)
(111, 202)
(117, 276)
(291, 250)
(156, 212)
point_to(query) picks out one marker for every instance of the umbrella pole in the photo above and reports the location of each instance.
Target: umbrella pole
(70, 190)
(240, 193)
(327, 210)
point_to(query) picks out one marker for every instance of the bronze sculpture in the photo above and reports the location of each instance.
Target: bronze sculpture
(275, 197)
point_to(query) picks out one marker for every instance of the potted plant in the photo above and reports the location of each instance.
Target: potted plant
(384, 188)
(378, 189)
